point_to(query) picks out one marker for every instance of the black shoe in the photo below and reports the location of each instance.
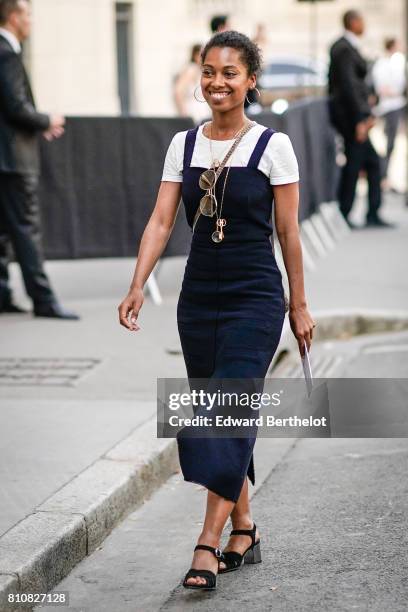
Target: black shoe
(234, 560)
(53, 310)
(378, 222)
(210, 578)
(10, 307)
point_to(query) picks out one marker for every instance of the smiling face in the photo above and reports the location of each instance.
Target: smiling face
(224, 79)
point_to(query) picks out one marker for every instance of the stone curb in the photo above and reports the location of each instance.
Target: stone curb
(38, 552)
(346, 323)
(343, 324)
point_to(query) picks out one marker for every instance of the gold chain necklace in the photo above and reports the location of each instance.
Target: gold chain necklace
(218, 234)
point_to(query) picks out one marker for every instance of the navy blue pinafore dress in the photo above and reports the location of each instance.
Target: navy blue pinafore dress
(231, 307)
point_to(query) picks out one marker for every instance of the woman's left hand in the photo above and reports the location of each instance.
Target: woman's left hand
(301, 324)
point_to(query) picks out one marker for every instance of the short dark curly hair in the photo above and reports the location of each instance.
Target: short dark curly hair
(6, 8)
(249, 51)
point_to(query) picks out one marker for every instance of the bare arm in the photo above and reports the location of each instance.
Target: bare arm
(287, 228)
(154, 239)
(184, 81)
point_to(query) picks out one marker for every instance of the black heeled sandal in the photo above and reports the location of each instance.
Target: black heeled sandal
(210, 577)
(234, 560)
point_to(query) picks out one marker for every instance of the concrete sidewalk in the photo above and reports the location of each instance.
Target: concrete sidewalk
(78, 398)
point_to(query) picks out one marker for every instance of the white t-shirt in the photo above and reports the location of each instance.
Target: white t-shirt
(389, 75)
(278, 161)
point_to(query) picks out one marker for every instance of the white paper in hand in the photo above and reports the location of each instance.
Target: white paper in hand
(307, 370)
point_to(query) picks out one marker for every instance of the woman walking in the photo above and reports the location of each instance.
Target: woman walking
(231, 307)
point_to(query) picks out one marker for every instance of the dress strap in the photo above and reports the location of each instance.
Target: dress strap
(189, 147)
(260, 148)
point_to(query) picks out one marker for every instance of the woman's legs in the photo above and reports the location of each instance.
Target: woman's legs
(241, 518)
(241, 513)
(217, 512)
(231, 363)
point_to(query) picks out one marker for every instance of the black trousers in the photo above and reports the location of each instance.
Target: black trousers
(360, 156)
(20, 226)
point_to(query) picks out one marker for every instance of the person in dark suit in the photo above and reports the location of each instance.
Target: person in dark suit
(20, 128)
(351, 115)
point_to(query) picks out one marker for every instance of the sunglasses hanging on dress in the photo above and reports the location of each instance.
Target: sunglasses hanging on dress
(208, 206)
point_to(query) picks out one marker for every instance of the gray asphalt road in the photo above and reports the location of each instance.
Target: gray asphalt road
(333, 526)
(332, 516)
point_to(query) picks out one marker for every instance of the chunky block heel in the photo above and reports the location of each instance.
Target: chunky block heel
(234, 560)
(253, 555)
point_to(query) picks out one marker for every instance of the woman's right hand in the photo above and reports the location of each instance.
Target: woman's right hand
(129, 309)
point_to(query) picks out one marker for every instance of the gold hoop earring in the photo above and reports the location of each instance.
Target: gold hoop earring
(198, 86)
(257, 91)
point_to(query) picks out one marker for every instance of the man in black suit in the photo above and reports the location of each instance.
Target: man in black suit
(20, 128)
(351, 115)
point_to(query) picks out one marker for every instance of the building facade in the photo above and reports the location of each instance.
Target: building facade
(101, 57)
